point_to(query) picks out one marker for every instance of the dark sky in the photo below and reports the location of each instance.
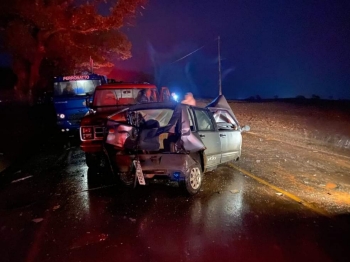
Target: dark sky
(268, 48)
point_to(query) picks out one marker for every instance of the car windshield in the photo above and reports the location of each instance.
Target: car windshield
(127, 96)
(75, 88)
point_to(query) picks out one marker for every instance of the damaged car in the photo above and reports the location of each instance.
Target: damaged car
(172, 142)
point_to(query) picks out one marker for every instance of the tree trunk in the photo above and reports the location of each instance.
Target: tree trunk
(21, 69)
(35, 69)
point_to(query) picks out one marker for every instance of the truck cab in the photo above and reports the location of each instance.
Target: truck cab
(70, 96)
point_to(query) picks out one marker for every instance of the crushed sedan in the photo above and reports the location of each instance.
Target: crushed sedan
(172, 142)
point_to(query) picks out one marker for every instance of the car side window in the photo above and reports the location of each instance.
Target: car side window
(224, 120)
(204, 122)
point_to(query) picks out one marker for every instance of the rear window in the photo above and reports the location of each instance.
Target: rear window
(128, 96)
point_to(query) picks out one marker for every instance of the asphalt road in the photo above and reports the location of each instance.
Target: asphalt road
(258, 209)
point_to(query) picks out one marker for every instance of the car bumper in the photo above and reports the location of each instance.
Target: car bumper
(166, 166)
(91, 146)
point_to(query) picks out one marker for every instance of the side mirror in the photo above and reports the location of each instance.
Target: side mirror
(245, 128)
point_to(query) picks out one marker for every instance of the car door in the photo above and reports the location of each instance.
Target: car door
(230, 135)
(205, 127)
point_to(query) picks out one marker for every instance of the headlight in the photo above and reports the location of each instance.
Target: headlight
(62, 116)
(87, 133)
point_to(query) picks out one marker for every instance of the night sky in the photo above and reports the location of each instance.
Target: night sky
(268, 48)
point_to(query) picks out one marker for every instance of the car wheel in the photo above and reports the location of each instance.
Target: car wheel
(93, 160)
(193, 180)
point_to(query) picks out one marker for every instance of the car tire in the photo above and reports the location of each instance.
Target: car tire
(193, 180)
(93, 160)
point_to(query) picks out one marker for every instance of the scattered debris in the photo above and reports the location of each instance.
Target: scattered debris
(21, 179)
(103, 237)
(234, 191)
(37, 220)
(306, 182)
(56, 207)
(279, 194)
(258, 161)
(132, 219)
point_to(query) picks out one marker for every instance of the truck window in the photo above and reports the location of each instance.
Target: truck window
(77, 87)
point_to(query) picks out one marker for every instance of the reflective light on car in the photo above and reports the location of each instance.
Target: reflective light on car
(176, 175)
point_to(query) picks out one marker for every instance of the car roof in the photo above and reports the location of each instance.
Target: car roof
(123, 85)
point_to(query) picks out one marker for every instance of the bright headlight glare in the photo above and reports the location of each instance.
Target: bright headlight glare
(62, 116)
(175, 96)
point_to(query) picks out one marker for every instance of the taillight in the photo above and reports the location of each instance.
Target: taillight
(87, 133)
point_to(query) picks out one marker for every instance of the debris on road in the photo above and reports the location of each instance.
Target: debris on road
(21, 179)
(56, 207)
(234, 191)
(37, 220)
(258, 161)
(132, 220)
(279, 194)
(103, 237)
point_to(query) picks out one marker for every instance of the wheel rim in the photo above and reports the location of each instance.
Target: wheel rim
(195, 178)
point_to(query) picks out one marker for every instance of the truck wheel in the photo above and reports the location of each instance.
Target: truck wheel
(93, 161)
(193, 180)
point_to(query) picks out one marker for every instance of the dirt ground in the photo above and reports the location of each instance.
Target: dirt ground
(303, 148)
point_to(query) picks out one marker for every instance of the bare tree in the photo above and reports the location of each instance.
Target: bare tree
(63, 34)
